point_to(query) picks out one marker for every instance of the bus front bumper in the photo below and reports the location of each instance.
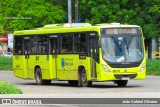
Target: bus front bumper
(121, 76)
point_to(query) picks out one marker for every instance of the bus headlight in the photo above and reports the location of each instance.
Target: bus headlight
(143, 67)
(105, 68)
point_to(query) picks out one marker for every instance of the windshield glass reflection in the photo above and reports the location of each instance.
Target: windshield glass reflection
(122, 48)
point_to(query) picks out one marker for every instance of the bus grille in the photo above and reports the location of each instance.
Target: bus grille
(131, 76)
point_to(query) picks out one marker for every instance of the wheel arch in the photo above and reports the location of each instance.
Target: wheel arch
(86, 70)
(37, 66)
(84, 80)
(80, 68)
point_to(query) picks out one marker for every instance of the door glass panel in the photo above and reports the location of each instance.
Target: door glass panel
(27, 49)
(53, 46)
(93, 47)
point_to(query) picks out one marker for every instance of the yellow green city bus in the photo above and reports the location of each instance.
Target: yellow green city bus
(80, 53)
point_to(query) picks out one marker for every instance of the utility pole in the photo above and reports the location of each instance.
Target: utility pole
(69, 12)
(76, 11)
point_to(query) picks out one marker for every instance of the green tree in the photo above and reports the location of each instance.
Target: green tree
(2, 32)
(145, 13)
(27, 14)
(154, 10)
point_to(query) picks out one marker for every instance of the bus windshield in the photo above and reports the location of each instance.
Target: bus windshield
(122, 47)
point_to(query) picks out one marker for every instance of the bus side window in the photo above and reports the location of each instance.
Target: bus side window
(18, 45)
(80, 42)
(67, 43)
(42, 44)
(63, 49)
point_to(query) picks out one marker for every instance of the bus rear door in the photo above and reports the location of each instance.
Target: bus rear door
(26, 53)
(54, 52)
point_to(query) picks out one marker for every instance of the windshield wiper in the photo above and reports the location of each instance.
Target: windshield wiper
(119, 47)
(128, 43)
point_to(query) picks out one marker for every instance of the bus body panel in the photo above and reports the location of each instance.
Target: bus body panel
(41, 61)
(19, 67)
(67, 66)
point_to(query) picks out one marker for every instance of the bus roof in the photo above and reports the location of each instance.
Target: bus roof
(66, 28)
(57, 28)
(111, 25)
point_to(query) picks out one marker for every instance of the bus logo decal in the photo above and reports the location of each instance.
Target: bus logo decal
(62, 63)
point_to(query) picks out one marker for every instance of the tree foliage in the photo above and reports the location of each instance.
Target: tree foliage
(145, 13)
(27, 14)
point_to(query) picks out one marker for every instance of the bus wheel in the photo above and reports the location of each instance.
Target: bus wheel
(39, 80)
(121, 83)
(84, 81)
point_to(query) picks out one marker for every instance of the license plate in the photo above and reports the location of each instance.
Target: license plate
(125, 78)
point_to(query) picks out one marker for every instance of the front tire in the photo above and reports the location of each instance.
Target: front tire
(39, 80)
(121, 83)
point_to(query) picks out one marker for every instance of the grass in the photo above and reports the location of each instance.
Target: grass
(5, 63)
(7, 88)
(153, 67)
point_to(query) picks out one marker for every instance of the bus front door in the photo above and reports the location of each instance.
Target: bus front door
(54, 52)
(93, 52)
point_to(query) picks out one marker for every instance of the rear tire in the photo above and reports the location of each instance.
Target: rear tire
(38, 77)
(121, 83)
(82, 79)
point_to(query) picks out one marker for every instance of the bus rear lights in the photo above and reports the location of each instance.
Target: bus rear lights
(143, 67)
(105, 68)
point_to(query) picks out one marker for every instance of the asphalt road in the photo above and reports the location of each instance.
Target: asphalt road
(148, 88)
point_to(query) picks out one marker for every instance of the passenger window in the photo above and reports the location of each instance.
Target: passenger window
(80, 43)
(42, 45)
(67, 43)
(18, 45)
